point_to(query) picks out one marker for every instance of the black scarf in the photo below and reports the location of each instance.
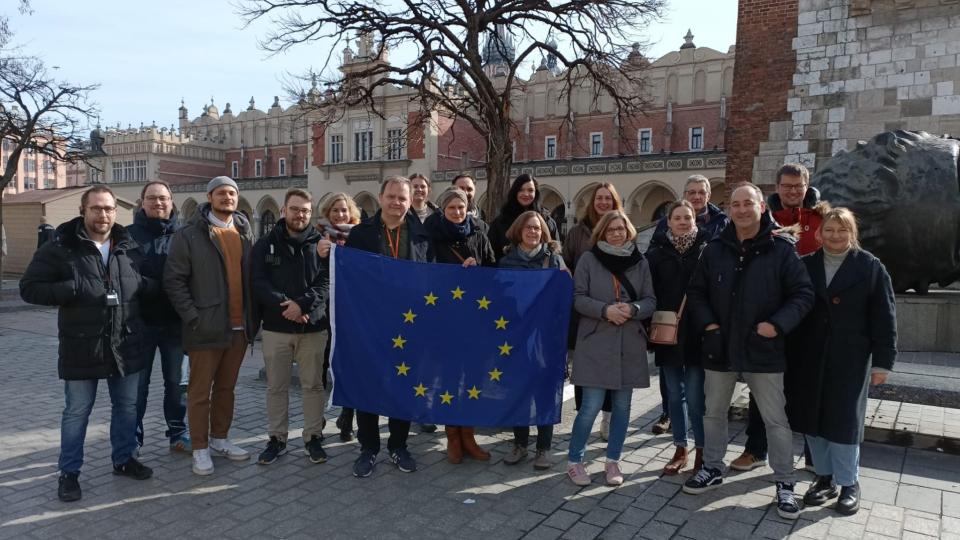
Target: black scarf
(614, 264)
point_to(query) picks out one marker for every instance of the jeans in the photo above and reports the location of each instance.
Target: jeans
(589, 408)
(79, 398)
(168, 339)
(767, 388)
(521, 436)
(685, 390)
(840, 460)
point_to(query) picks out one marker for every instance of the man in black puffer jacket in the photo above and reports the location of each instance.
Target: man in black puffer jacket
(91, 271)
(153, 228)
(750, 290)
(290, 283)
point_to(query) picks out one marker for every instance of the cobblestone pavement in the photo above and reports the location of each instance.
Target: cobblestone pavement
(907, 493)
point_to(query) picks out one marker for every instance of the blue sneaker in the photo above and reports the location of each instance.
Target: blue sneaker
(363, 466)
(403, 460)
(181, 444)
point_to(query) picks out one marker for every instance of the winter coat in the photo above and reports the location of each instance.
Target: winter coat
(283, 268)
(672, 272)
(805, 217)
(714, 222)
(195, 280)
(852, 327)
(500, 226)
(577, 243)
(610, 356)
(96, 341)
(45, 233)
(154, 236)
(368, 236)
(741, 285)
(452, 250)
(547, 258)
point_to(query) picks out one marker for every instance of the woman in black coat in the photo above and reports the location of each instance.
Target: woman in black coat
(456, 239)
(673, 257)
(524, 195)
(847, 343)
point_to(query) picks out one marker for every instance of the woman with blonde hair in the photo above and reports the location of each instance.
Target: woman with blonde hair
(613, 293)
(847, 343)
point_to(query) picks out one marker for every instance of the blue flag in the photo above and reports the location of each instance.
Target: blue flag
(442, 344)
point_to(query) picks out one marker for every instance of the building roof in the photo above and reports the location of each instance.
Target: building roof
(42, 196)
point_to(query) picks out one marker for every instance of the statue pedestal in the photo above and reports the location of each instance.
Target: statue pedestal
(929, 323)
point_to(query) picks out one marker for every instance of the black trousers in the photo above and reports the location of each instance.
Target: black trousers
(368, 432)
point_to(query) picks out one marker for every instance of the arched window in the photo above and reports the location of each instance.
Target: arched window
(267, 222)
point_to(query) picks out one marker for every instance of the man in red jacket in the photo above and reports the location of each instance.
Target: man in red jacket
(792, 204)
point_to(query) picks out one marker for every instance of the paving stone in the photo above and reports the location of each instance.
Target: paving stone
(919, 498)
(583, 531)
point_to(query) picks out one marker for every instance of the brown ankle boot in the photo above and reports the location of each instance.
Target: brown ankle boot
(698, 461)
(454, 444)
(677, 463)
(470, 446)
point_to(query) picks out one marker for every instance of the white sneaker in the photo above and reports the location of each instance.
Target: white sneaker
(202, 464)
(605, 425)
(225, 448)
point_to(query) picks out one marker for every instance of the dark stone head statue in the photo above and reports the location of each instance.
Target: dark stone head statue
(904, 188)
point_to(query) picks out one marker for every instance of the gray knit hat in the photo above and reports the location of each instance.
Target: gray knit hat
(221, 181)
(452, 193)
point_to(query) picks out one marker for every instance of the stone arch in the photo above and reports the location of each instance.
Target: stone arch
(643, 203)
(318, 204)
(367, 203)
(700, 86)
(552, 200)
(718, 191)
(243, 206)
(582, 199)
(188, 209)
(268, 212)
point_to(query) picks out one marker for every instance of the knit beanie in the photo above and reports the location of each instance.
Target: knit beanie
(221, 181)
(449, 195)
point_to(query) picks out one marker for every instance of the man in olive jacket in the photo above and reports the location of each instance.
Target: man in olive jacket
(750, 290)
(206, 282)
(91, 271)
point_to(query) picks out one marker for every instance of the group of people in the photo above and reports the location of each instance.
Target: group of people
(807, 335)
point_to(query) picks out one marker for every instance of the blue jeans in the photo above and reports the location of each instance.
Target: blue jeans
(840, 460)
(685, 393)
(170, 343)
(80, 396)
(589, 409)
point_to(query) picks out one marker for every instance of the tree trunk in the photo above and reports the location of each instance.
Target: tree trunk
(2, 256)
(499, 160)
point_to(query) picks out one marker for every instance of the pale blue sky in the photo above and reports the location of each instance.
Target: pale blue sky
(146, 55)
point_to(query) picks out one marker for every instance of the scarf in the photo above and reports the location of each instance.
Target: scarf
(338, 233)
(617, 259)
(530, 255)
(683, 242)
(457, 231)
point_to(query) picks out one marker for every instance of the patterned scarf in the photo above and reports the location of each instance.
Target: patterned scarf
(683, 242)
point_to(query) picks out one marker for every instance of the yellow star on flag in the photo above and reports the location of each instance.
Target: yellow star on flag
(501, 323)
(409, 316)
(474, 393)
(420, 390)
(505, 349)
(446, 398)
(458, 293)
(484, 303)
(495, 374)
(431, 299)
(398, 342)
(402, 369)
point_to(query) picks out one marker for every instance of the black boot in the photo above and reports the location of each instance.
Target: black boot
(69, 487)
(822, 490)
(345, 424)
(849, 501)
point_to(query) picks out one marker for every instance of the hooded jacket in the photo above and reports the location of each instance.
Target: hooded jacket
(96, 340)
(450, 249)
(805, 217)
(739, 285)
(286, 268)
(153, 236)
(195, 280)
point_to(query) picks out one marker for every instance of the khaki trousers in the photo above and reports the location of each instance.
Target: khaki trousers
(213, 376)
(280, 351)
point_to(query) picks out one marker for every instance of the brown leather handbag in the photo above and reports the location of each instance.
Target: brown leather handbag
(665, 325)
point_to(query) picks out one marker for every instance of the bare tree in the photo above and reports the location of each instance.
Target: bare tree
(593, 42)
(39, 113)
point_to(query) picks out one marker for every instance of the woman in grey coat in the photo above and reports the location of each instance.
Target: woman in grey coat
(613, 293)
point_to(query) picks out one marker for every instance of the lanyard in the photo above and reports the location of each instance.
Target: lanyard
(616, 288)
(394, 246)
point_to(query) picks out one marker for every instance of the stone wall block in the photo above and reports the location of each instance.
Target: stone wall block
(946, 105)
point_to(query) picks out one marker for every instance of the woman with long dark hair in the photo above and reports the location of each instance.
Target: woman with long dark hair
(524, 195)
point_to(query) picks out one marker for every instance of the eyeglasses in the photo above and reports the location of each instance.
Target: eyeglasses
(793, 187)
(302, 211)
(532, 228)
(105, 210)
(156, 198)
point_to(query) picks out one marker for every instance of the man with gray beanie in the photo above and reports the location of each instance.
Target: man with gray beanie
(205, 280)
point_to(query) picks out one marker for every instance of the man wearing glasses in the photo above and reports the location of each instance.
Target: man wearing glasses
(91, 272)
(290, 286)
(153, 228)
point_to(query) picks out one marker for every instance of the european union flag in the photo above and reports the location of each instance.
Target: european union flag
(443, 344)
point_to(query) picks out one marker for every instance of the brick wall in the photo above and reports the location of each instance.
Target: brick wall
(762, 77)
(319, 144)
